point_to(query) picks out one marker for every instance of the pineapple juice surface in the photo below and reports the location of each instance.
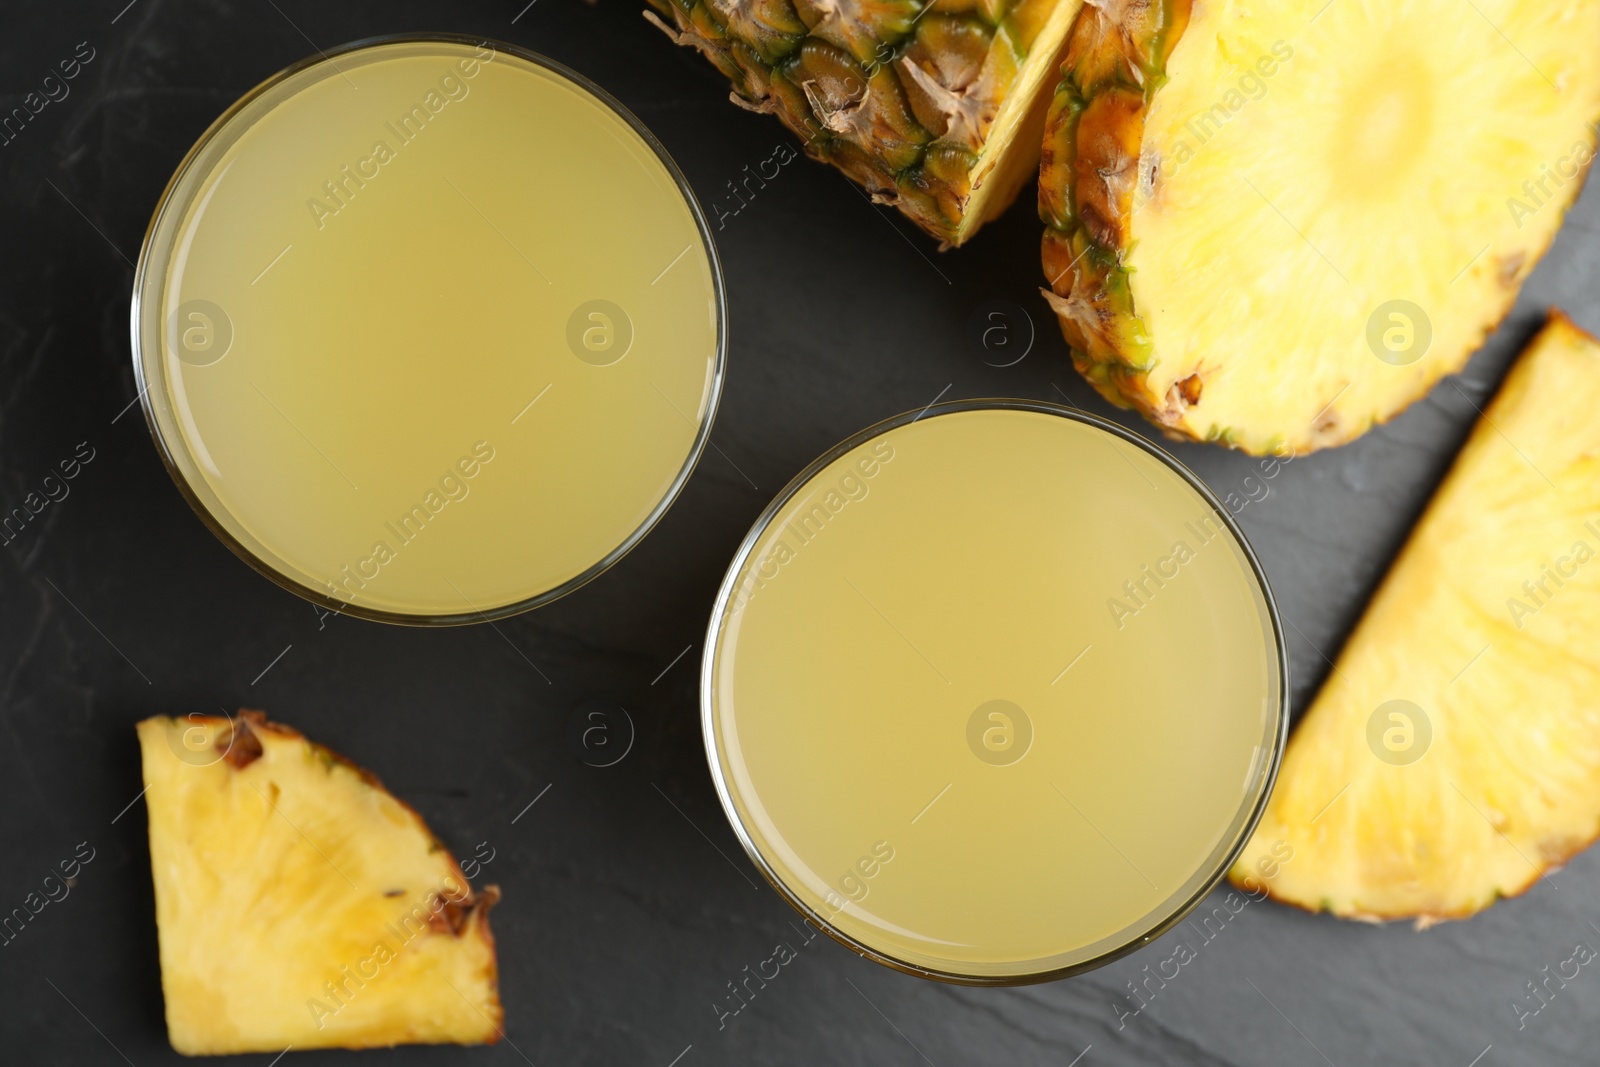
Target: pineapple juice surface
(994, 693)
(429, 330)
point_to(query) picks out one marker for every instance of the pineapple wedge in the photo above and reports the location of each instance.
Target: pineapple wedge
(1274, 225)
(299, 904)
(934, 106)
(1453, 755)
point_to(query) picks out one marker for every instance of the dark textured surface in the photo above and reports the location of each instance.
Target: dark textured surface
(621, 923)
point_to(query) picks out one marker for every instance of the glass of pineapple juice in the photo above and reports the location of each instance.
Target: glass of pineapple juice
(994, 693)
(429, 329)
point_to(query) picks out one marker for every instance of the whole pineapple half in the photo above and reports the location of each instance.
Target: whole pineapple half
(1453, 755)
(1274, 225)
(934, 106)
(300, 904)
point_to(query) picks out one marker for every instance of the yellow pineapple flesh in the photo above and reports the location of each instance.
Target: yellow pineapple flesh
(1274, 225)
(300, 904)
(1453, 754)
(933, 106)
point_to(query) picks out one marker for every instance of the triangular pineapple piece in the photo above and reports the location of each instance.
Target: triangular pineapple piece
(1276, 224)
(299, 904)
(934, 106)
(1453, 755)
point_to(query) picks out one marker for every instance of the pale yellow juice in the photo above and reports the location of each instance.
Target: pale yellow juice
(430, 330)
(994, 693)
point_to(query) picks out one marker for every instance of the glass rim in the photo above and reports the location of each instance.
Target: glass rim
(1267, 777)
(145, 378)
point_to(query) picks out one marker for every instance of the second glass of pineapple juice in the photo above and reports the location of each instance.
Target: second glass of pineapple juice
(994, 693)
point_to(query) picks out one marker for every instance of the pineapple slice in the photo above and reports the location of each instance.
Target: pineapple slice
(1453, 755)
(1274, 225)
(299, 904)
(935, 106)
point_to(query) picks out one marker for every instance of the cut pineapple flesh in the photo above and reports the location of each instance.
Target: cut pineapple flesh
(1453, 755)
(1274, 225)
(299, 904)
(934, 106)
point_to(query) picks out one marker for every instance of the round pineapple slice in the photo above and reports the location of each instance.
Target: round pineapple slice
(934, 106)
(1275, 225)
(1453, 756)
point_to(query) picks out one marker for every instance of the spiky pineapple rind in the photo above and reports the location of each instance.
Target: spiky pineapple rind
(904, 96)
(1089, 175)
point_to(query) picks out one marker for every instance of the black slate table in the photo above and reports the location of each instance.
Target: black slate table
(628, 907)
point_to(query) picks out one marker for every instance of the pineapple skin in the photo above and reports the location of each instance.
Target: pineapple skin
(909, 98)
(1507, 786)
(1099, 170)
(299, 903)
